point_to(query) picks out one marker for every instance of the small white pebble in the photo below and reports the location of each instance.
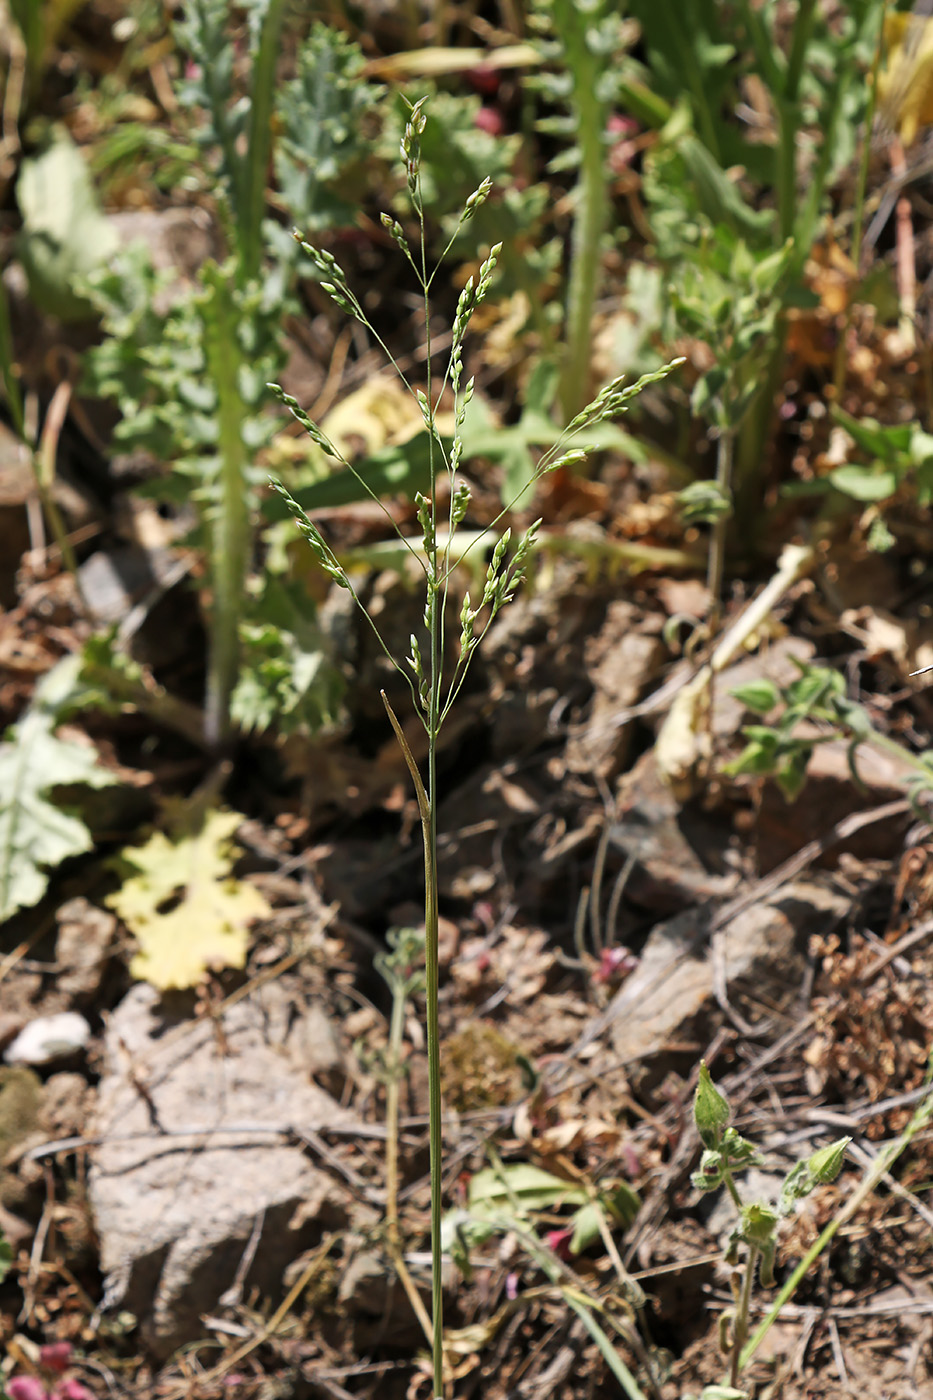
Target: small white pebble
(49, 1038)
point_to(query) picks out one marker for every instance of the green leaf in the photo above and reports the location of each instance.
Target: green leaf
(761, 696)
(287, 677)
(864, 483)
(759, 755)
(35, 834)
(323, 151)
(790, 773)
(586, 1229)
(880, 538)
(710, 1109)
(64, 237)
(703, 502)
(523, 1186)
(709, 1174)
(758, 1223)
(887, 442)
(826, 1163)
(402, 469)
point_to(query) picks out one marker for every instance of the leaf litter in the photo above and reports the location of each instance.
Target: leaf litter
(558, 1078)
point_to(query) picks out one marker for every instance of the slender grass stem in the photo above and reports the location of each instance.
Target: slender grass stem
(394, 1075)
(427, 810)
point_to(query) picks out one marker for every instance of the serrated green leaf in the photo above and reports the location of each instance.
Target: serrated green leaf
(35, 834)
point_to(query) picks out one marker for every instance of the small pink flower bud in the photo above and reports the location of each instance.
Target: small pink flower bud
(56, 1356)
(26, 1388)
(490, 120)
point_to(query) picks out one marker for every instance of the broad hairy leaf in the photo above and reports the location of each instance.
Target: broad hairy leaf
(185, 908)
(35, 834)
(65, 236)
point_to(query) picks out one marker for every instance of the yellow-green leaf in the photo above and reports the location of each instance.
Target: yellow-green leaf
(184, 906)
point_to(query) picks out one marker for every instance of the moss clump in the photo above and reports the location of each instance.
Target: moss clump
(20, 1101)
(480, 1068)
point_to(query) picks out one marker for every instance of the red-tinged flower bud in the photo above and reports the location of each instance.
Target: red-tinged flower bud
(72, 1390)
(26, 1388)
(484, 79)
(614, 964)
(56, 1356)
(490, 120)
(559, 1241)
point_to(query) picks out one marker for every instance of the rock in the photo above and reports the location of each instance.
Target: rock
(49, 1038)
(67, 1104)
(195, 1156)
(114, 580)
(676, 847)
(373, 1298)
(85, 935)
(622, 659)
(668, 999)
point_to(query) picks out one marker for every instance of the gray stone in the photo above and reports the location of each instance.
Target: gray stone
(85, 936)
(195, 1167)
(670, 995)
(49, 1038)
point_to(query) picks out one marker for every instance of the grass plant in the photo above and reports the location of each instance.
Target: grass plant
(433, 688)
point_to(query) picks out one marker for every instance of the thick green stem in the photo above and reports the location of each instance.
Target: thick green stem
(752, 443)
(230, 526)
(789, 118)
(592, 205)
(259, 147)
(740, 1328)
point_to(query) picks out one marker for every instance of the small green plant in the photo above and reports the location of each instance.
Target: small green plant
(813, 710)
(898, 460)
(704, 176)
(433, 688)
(753, 1240)
(36, 833)
(188, 368)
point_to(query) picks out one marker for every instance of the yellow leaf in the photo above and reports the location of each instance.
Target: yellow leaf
(905, 84)
(184, 907)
